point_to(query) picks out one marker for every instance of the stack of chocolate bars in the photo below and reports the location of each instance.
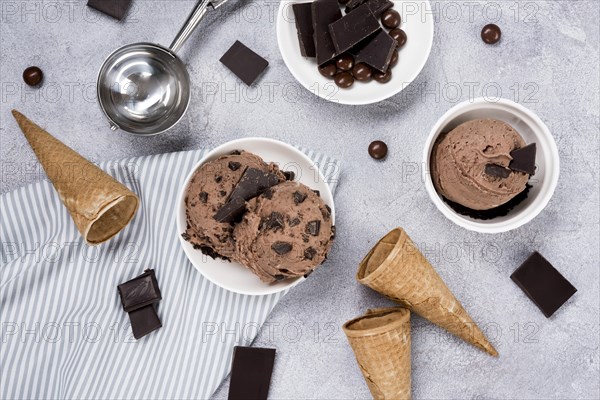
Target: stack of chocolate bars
(352, 45)
(139, 298)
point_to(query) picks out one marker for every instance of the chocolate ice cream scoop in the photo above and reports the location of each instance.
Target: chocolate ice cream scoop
(286, 232)
(210, 188)
(470, 164)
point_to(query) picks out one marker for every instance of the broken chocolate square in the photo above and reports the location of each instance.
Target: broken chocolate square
(324, 12)
(299, 197)
(114, 8)
(144, 320)
(353, 28)
(281, 248)
(523, 159)
(378, 7)
(313, 227)
(251, 373)
(497, 171)
(304, 27)
(543, 284)
(376, 51)
(230, 212)
(244, 63)
(140, 291)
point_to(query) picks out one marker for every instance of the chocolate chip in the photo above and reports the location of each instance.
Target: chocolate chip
(234, 165)
(33, 76)
(305, 238)
(310, 253)
(299, 197)
(378, 149)
(313, 227)
(289, 175)
(294, 222)
(279, 277)
(218, 178)
(235, 153)
(223, 193)
(306, 275)
(185, 236)
(273, 221)
(317, 192)
(523, 159)
(491, 34)
(203, 197)
(343, 79)
(390, 19)
(281, 248)
(326, 213)
(497, 171)
(328, 70)
(345, 62)
(362, 72)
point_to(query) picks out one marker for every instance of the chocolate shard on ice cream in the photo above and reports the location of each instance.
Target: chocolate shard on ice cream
(286, 232)
(470, 165)
(210, 189)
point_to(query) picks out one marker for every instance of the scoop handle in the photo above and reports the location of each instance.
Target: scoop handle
(191, 23)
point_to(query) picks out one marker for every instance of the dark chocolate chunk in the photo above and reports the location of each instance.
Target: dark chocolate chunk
(378, 7)
(491, 34)
(497, 171)
(203, 197)
(289, 175)
(523, 159)
(186, 236)
(273, 221)
(324, 12)
(234, 165)
(218, 178)
(378, 149)
(279, 277)
(352, 4)
(362, 72)
(333, 232)
(251, 373)
(543, 284)
(317, 192)
(144, 320)
(235, 153)
(223, 193)
(140, 291)
(375, 51)
(294, 222)
(329, 69)
(399, 36)
(252, 183)
(244, 63)
(345, 62)
(390, 19)
(313, 227)
(299, 197)
(353, 28)
(33, 76)
(304, 28)
(326, 213)
(281, 248)
(343, 79)
(310, 253)
(209, 251)
(114, 8)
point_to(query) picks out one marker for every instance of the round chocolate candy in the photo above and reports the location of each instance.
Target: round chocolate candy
(390, 19)
(345, 62)
(33, 76)
(328, 70)
(378, 150)
(381, 77)
(399, 36)
(491, 34)
(343, 79)
(362, 72)
(394, 59)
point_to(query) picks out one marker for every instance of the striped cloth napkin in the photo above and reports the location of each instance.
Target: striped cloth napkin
(64, 333)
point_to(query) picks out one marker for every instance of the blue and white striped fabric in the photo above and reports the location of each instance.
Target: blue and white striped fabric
(64, 333)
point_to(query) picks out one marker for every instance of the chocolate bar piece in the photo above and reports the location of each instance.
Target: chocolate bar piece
(523, 159)
(244, 63)
(378, 7)
(353, 28)
(144, 320)
(114, 8)
(324, 12)
(497, 171)
(376, 51)
(543, 284)
(140, 292)
(352, 4)
(251, 373)
(252, 183)
(304, 27)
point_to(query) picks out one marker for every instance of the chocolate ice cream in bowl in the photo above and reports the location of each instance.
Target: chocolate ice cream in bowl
(490, 166)
(256, 216)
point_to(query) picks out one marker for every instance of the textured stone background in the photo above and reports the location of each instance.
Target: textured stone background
(547, 60)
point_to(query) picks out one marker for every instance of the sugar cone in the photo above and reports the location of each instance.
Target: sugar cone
(381, 343)
(99, 205)
(398, 270)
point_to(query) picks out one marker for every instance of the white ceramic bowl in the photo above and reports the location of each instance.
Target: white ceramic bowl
(417, 22)
(532, 129)
(232, 275)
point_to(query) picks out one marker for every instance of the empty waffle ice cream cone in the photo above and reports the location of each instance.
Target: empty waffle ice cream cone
(380, 340)
(398, 270)
(99, 205)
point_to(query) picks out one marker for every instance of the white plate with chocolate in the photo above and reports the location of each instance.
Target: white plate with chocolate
(256, 216)
(355, 51)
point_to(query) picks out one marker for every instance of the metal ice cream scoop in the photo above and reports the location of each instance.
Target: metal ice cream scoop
(144, 88)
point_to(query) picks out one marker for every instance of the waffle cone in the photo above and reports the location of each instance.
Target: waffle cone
(380, 340)
(398, 270)
(99, 205)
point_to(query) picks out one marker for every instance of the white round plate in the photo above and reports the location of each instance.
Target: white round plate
(417, 22)
(232, 275)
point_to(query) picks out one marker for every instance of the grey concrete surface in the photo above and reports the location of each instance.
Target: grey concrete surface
(547, 60)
